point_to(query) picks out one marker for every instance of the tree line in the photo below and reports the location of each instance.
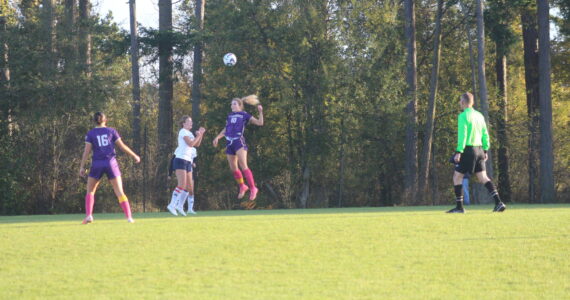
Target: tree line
(360, 98)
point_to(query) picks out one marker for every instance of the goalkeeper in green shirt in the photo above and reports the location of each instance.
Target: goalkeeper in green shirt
(471, 153)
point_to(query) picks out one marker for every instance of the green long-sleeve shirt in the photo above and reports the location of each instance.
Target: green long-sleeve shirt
(471, 130)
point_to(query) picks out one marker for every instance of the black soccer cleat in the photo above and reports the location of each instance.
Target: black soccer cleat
(500, 207)
(456, 211)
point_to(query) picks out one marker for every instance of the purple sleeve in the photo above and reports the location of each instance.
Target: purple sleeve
(116, 135)
(246, 117)
(88, 139)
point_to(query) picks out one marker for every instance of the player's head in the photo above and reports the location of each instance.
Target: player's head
(185, 122)
(466, 100)
(237, 103)
(99, 118)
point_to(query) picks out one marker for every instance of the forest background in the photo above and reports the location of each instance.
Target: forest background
(360, 99)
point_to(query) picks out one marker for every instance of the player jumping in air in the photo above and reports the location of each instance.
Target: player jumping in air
(102, 140)
(236, 148)
(471, 153)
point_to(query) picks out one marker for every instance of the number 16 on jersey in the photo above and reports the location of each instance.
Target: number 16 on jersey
(103, 140)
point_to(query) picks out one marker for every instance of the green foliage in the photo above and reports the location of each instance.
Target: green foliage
(564, 22)
(50, 113)
(499, 17)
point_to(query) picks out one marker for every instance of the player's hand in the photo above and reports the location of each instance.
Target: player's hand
(81, 172)
(216, 142)
(260, 108)
(457, 157)
(202, 130)
(137, 159)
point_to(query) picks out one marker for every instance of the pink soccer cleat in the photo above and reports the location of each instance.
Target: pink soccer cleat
(87, 220)
(253, 193)
(242, 189)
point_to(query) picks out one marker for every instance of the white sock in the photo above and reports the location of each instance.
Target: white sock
(182, 199)
(175, 194)
(191, 203)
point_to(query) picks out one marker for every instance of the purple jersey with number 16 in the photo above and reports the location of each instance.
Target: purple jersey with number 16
(102, 140)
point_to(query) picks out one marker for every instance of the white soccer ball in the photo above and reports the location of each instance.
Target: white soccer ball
(230, 59)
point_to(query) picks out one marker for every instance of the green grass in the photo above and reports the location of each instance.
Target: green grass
(361, 253)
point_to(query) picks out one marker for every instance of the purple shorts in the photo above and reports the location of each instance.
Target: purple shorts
(234, 145)
(109, 167)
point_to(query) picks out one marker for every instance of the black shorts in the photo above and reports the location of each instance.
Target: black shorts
(182, 164)
(472, 160)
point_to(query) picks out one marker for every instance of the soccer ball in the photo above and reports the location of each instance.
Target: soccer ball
(230, 59)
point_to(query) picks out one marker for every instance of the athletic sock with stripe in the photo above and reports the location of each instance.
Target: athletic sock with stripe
(493, 192)
(458, 195)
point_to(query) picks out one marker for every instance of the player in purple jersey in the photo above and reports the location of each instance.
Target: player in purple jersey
(102, 140)
(236, 148)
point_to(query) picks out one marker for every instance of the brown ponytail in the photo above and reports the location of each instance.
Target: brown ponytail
(99, 118)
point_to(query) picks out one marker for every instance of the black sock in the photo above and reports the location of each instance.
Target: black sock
(493, 192)
(458, 196)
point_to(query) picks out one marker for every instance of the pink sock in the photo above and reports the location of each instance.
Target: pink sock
(126, 209)
(238, 177)
(89, 201)
(249, 177)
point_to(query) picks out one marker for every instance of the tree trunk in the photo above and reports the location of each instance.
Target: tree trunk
(304, 197)
(49, 29)
(5, 79)
(530, 41)
(85, 36)
(471, 56)
(502, 136)
(136, 90)
(547, 193)
(135, 77)
(70, 47)
(434, 177)
(197, 67)
(411, 144)
(341, 162)
(480, 192)
(313, 84)
(165, 93)
(430, 114)
(4, 67)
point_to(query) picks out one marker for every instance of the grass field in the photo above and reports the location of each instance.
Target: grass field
(353, 253)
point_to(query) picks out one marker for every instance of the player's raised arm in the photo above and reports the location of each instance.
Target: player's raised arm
(258, 121)
(200, 136)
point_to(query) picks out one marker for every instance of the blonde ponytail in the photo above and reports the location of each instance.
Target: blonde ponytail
(251, 100)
